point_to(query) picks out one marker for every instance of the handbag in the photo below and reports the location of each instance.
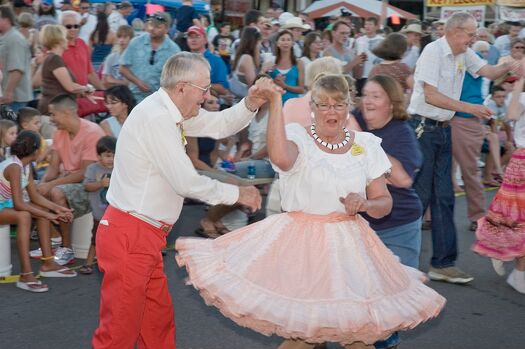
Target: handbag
(6, 113)
(238, 88)
(87, 107)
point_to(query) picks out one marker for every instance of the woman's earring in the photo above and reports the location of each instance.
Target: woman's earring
(313, 117)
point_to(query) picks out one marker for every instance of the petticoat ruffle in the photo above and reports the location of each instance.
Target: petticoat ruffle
(313, 278)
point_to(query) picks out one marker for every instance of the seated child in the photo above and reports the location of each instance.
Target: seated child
(96, 183)
(15, 176)
(498, 152)
(30, 119)
(8, 131)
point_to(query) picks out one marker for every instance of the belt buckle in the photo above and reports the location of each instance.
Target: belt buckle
(165, 228)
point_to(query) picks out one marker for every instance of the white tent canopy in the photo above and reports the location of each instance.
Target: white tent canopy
(360, 8)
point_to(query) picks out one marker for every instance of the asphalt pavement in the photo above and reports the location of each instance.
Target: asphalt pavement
(485, 314)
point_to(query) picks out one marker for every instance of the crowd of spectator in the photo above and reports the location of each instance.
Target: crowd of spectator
(74, 73)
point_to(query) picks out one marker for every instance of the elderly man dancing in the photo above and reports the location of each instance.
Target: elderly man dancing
(151, 178)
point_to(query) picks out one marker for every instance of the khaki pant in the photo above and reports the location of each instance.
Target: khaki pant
(467, 138)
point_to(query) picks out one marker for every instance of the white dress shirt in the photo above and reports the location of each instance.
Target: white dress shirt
(152, 173)
(438, 67)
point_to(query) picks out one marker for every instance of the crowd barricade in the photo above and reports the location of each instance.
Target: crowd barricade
(5, 251)
(81, 235)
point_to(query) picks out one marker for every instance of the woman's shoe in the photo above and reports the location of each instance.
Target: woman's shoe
(32, 286)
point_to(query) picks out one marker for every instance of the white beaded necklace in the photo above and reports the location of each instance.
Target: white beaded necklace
(330, 145)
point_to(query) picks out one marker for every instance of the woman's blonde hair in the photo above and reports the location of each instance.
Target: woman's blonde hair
(330, 86)
(329, 65)
(25, 20)
(52, 35)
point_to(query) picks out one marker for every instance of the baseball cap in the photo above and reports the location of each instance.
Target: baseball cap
(160, 18)
(47, 2)
(125, 4)
(196, 30)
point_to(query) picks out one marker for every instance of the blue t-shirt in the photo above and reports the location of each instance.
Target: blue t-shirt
(218, 71)
(471, 92)
(185, 16)
(398, 141)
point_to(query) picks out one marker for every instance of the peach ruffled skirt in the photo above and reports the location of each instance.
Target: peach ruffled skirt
(309, 277)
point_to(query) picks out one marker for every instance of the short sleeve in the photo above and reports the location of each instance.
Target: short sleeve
(18, 50)
(297, 134)
(377, 163)
(426, 65)
(90, 175)
(108, 63)
(473, 62)
(127, 56)
(54, 62)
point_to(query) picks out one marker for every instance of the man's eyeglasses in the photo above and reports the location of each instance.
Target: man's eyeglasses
(327, 107)
(152, 57)
(84, 8)
(71, 26)
(519, 47)
(203, 89)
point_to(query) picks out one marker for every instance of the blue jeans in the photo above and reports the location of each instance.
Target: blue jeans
(263, 169)
(433, 185)
(404, 241)
(16, 106)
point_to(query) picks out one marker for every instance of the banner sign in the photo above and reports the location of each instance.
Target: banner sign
(512, 14)
(448, 3)
(477, 11)
(514, 3)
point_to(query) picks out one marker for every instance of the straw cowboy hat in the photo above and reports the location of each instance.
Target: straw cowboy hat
(412, 28)
(295, 22)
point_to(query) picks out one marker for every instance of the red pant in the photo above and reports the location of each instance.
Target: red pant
(135, 305)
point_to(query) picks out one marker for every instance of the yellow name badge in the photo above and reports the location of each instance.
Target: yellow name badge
(461, 66)
(356, 149)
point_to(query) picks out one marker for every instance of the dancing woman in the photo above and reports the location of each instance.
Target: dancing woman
(316, 273)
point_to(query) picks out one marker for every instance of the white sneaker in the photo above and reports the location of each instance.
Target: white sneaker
(36, 253)
(56, 241)
(64, 256)
(498, 266)
(516, 279)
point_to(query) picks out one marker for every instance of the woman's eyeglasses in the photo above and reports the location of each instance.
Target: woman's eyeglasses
(152, 57)
(327, 107)
(112, 102)
(71, 26)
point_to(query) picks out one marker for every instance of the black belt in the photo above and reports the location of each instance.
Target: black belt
(431, 122)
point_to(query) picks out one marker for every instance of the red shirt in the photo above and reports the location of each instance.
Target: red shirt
(77, 57)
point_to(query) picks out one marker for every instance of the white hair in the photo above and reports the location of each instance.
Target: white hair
(329, 65)
(481, 46)
(458, 20)
(70, 13)
(182, 66)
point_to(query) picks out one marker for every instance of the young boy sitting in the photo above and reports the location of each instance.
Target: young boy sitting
(96, 183)
(30, 119)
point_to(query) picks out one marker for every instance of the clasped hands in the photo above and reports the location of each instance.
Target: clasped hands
(264, 90)
(354, 204)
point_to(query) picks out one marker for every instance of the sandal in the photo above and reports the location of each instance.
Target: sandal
(60, 273)
(491, 183)
(32, 286)
(86, 269)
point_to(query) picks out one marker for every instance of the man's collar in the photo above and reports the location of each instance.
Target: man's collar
(447, 50)
(172, 108)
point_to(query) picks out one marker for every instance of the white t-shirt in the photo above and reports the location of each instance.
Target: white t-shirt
(368, 44)
(115, 20)
(88, 28)
(257, 133)
(519, 126)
